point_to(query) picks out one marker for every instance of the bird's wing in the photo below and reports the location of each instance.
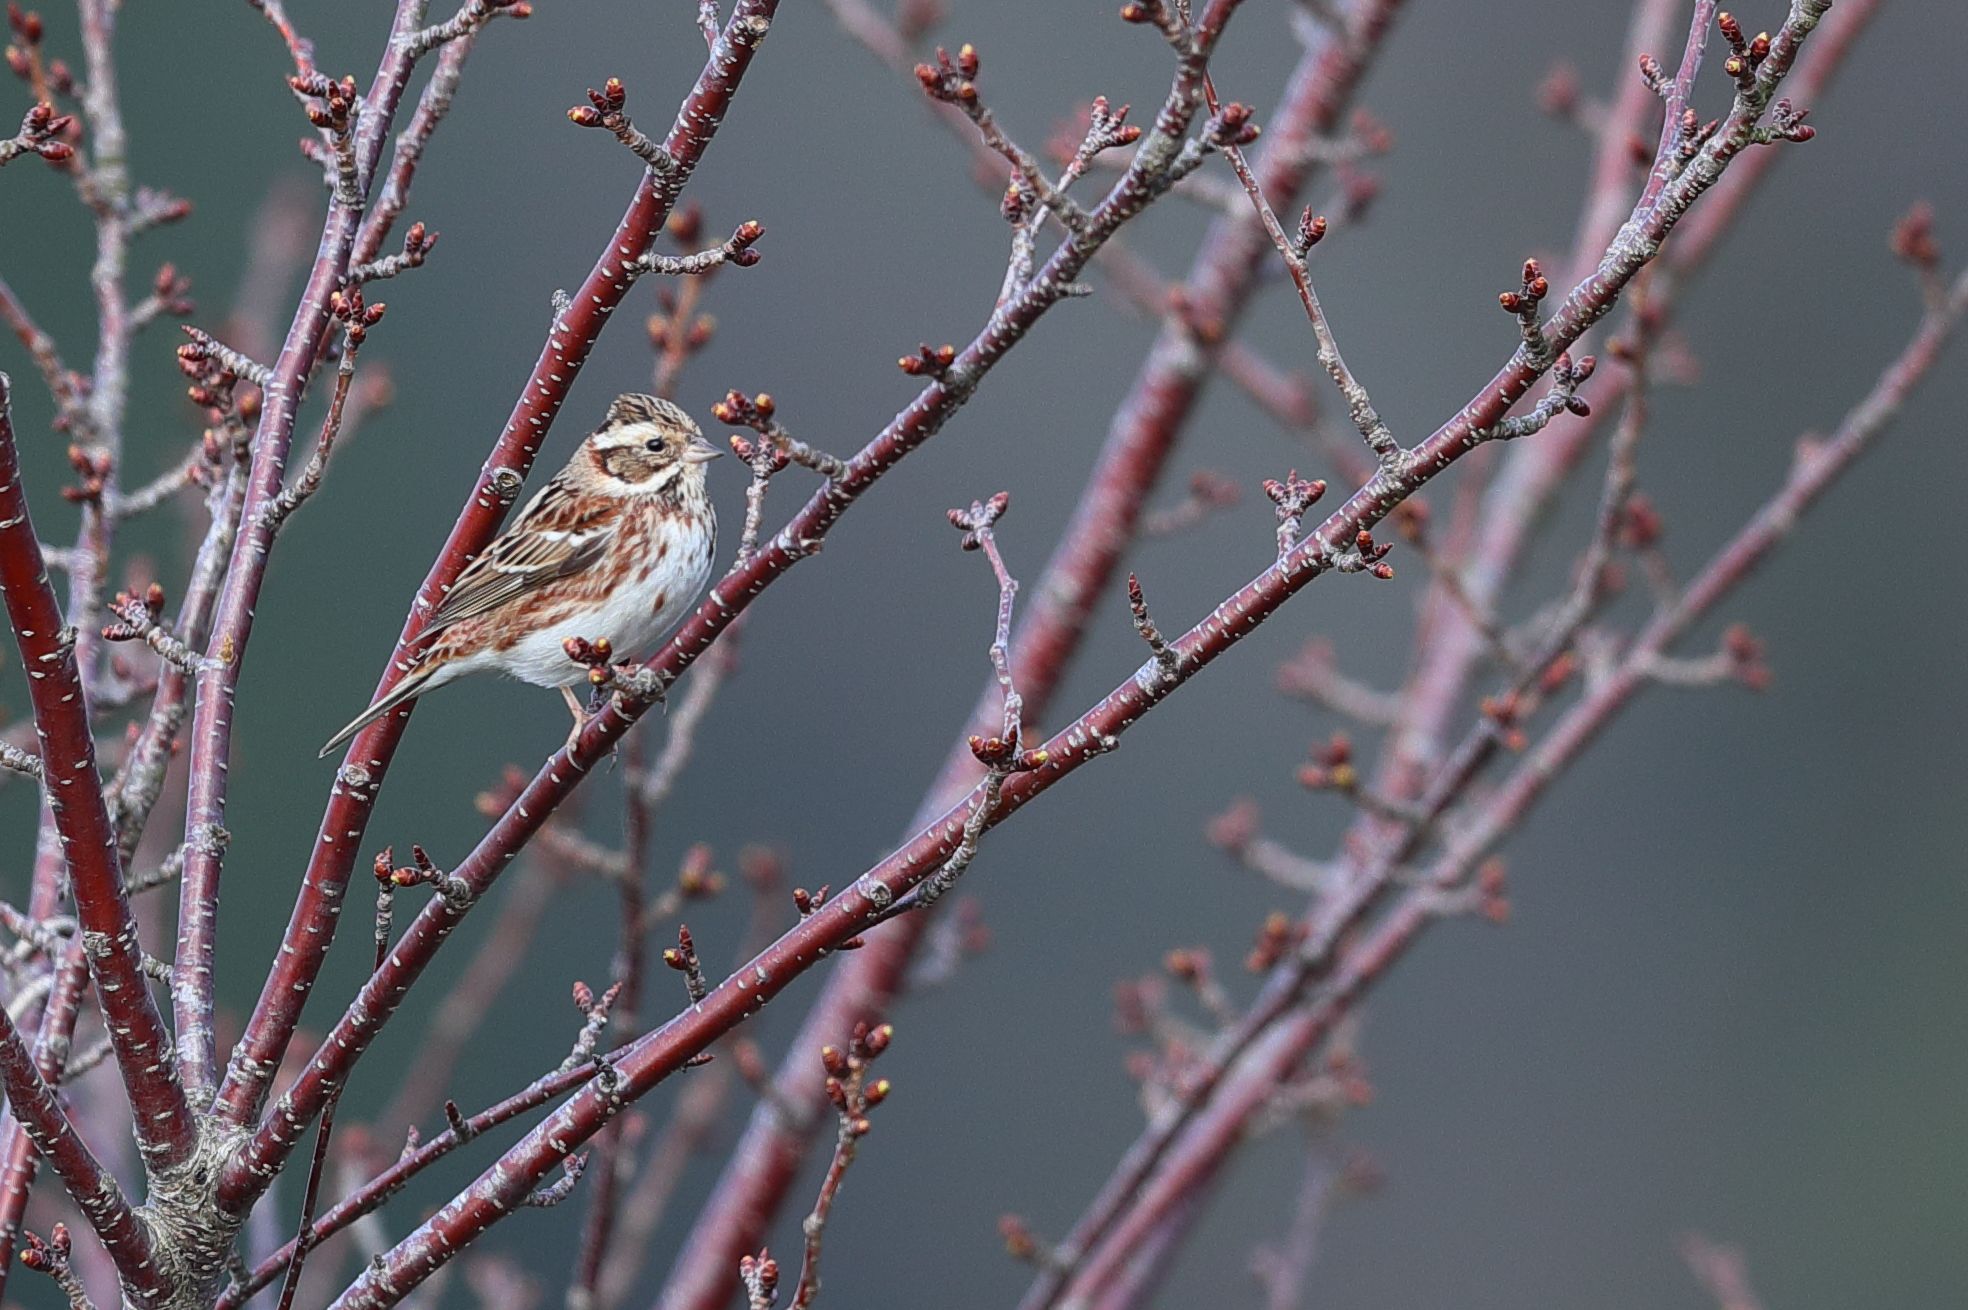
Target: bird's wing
(555, 536)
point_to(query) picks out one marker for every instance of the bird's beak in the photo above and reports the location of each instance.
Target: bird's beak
(700, 451)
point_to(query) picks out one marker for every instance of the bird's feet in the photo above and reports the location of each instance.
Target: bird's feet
(581, 715)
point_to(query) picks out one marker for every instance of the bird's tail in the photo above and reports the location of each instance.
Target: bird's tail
(414, 683)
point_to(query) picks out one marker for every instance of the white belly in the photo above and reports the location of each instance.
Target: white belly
(632, 619)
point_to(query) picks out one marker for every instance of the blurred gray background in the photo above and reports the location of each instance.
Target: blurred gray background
(1730, 996)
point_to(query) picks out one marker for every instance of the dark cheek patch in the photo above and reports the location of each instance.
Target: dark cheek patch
(628, 465)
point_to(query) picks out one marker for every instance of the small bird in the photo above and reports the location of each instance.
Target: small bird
(616, 546)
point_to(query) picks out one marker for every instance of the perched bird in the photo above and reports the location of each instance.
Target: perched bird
(617, 546)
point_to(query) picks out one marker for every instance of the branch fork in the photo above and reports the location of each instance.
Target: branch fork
(333, 107)
(1524, 304)
(607, 109)
(735, 250)
(470, 17)
(142, 619)
(1562, 398)
(953, 81)
(1292, 497)
(41, 133)
(417, 244)
(757, 413)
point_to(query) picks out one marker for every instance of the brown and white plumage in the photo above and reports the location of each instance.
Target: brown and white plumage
(616, 546)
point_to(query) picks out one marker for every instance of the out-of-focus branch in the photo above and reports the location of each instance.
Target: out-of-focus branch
(1722, 1271)
(1286, 1024)
(63, 384)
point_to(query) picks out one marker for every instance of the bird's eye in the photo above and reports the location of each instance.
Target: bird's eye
(654, 445)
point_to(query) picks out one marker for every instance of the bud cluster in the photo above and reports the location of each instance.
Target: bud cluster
(45, 78)
(1331, 767)
(356, 317)
(93, 466)
(683, 958)
(1278, 938)
(977, 520)
(932, 361)
(138, 615)
(1158, 14)
(606, 109)
(41, 133)
(1291, 498)
(952, 82)
(1913, 239)
(596, 656)
(848, 1087)
(421, 872)
(331, 105)
(170, 293)
(1231, 127)
(1745, 55)
(1366, 556)
(49, 1257)
(760, 1275)
(1311, 231)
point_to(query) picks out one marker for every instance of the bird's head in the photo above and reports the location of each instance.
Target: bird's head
(648, 446)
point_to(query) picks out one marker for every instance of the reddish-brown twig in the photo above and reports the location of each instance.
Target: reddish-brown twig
(88, 840)
(853, 1096)
(95, 1191)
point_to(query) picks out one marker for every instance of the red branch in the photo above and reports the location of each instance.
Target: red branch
(74, 794)
(93, 1189)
